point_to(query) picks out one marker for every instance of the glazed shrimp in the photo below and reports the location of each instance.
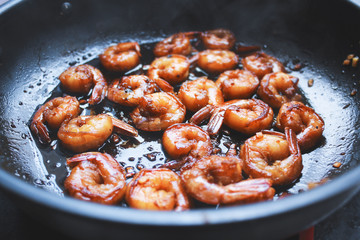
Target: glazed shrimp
(96, 177)
(173, 69)
(157, 189)
(218, 39)
(273, 155)
(90, 132)
(81, 79)
(217, 61)
(53, 113)
(130, 89)
(178, 43)
(304, 121)
(278, 88)
(246, 116)
(261, 64)
(200, 92)
(121, 57)
(237, 84)
(218, 180)
(157, 111)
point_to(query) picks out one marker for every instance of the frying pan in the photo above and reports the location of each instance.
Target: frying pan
(39, 39)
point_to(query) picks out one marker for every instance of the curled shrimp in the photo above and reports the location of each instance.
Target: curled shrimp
(157, 189)
(272, 155)
(80, 79)
(173, 69)
(158, 111)
(304, 121)
(200, 92)
(278, 88)
(218, 180)
(90, 132)
(130, 89)
(178, 43)
(217, 61)
(53, 113)
(218, 39)
(261, 64)
(121, 57)
(236, 84)
(96, 177)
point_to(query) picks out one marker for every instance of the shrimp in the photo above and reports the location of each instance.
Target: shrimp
(236, 84)
(200, 92)
(261, 64)
(278, 88)
(90, 132)
(173, 69)
(218, 39)
(130, 89)
(157, 111)
(272, 155)
(81, 79)
(121, 57)
(217, 61)
(304, 121)
(96, 177)
(218, 180)
(178, 43)
(157, 189)
(53, 113)
(246, 116)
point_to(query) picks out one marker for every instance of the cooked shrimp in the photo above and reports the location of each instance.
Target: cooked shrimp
(278, 88)
(158, 111)
(53, 113)
(96, 177)
(273, 155)
(218, 180)
(121, 57)
(178, 43)
(217, 61)
(304, 121)
(130, 89)
(173, 69)
(81, 79)
(200, 92)
(218, 39)
(261, 64)
(90, 132)
(157, 189)
(237, 84)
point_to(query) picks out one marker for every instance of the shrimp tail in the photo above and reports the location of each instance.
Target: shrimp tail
(164, 85)
(124, 128)
(98, 94)
(215, 123)
(41, 131)
(201, 115)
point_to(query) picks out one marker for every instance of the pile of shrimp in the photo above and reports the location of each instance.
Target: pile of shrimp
(238, 89)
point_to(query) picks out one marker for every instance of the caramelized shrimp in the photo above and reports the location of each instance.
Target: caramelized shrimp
(53, 113)
(217, 61)
(218, 39)
(178, 43)
(261, 64)
(96, 177)
(130, 89)
(157, 189)
(200, 92)
(173, 69)
(218, 180)
(278, 88)
(273, 155)
(236, 84)
(81, 79)
(304, 121)
(90, 132)
(121, 57)
(157, 111)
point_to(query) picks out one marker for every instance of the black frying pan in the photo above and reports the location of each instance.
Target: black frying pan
(39, 39)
